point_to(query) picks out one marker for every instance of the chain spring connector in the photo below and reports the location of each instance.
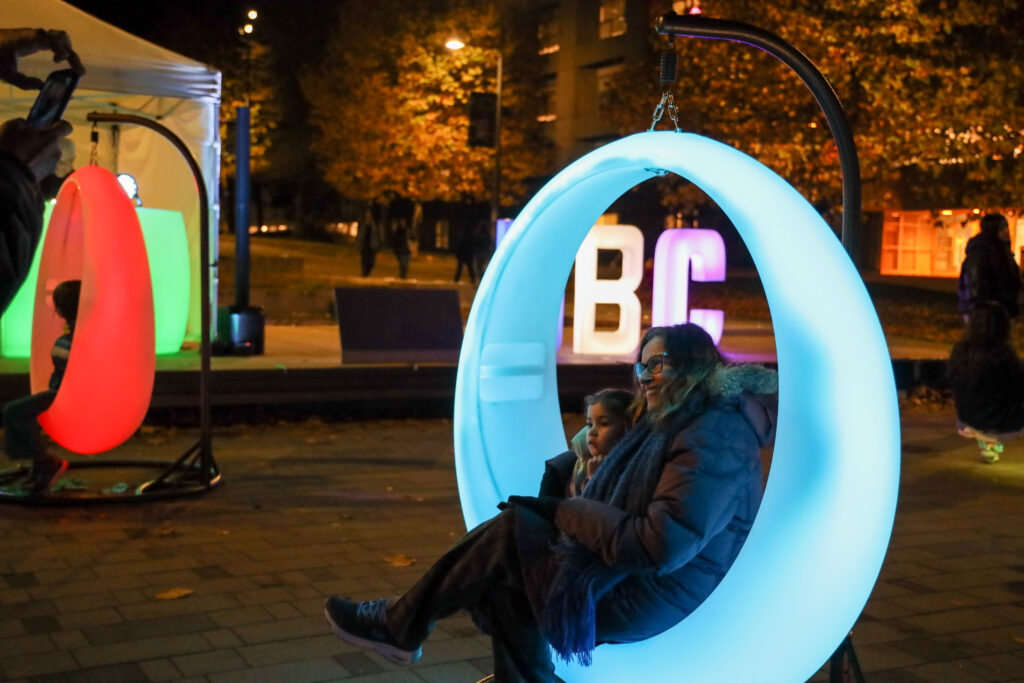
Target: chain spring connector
(669, 73)
(668, 103)
(94, 145)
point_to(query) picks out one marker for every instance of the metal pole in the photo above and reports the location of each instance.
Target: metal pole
(205, 438)
(496, 193)
(698, 26)
(242, 206)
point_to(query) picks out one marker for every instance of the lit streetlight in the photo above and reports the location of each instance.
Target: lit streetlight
(245, 333)
(454, 43)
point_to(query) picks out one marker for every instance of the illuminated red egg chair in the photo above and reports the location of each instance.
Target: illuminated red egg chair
(95, 236)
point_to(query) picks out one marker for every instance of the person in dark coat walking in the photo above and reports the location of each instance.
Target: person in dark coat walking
(400, 245)
(368, 242)
(989, 273)
(987, 381)
(466, 251)
(653, 534)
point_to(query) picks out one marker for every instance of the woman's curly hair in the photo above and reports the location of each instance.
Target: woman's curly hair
(692, 354)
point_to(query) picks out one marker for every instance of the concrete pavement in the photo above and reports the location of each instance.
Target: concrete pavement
(361, 508)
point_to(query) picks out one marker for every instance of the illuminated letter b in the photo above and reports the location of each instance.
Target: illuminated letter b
(591, 291)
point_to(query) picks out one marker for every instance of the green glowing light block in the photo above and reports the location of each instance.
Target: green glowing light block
(167, 249)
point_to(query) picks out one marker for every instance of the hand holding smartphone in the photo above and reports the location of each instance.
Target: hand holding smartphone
(53, 98)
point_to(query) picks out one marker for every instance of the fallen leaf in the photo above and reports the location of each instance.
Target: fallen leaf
(400, 560)
(174, 594)
(166, 531)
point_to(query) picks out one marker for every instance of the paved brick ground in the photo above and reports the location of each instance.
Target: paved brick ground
(312, 509)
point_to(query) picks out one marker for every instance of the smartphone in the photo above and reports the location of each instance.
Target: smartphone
(53, 98)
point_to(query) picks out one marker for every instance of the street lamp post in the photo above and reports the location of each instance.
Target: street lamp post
(496, 191)
(456, 44)
(242, 147)
(240, 327)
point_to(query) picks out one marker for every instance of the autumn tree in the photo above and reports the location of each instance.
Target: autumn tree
(932, 89)
(390, 103)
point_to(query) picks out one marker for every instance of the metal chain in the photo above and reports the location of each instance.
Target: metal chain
(667, 102)
(94, 139)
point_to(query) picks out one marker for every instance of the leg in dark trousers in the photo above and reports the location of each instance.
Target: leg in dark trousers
(369, 257)
(403, 266)
(482, 572)
(521, 654)
(23, 437)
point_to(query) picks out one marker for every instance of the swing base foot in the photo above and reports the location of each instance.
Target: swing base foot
(192, 474)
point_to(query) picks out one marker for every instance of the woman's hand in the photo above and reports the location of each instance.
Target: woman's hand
(545, 506)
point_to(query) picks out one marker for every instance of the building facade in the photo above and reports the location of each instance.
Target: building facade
(585, 43)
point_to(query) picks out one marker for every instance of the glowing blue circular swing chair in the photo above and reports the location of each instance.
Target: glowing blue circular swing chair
(816, 547)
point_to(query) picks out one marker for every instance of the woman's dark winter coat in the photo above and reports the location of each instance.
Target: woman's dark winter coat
(989, 274)
(988, 390)
(695, 524)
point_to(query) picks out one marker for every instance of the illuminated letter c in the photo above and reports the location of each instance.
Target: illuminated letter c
(678, 256)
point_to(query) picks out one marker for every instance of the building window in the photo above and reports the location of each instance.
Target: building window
(612, 18)
(548, 107)
(927, 243)
(606, 76)
(547, 31)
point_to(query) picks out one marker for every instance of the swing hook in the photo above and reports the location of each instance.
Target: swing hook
(669, 71)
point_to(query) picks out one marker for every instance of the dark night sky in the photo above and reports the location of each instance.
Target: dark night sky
(201, 28)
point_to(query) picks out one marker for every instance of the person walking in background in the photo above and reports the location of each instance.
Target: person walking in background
(400, 245)
(987, 381)
(989, 274)
(368, 242)
(465, 252)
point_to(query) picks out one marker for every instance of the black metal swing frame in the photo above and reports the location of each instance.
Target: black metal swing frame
(195, 471)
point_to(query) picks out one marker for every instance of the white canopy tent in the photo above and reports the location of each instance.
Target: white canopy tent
(129, 75)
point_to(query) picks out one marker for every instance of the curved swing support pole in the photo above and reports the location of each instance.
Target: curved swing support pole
(697, 26)
(200, 456)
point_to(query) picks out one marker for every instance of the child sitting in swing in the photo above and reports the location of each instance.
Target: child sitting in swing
(608, 420)
(23, 439)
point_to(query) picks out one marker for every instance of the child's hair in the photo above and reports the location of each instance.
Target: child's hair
(65, 299)
(615, 401)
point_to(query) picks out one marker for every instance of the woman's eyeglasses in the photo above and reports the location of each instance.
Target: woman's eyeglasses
(654, 365)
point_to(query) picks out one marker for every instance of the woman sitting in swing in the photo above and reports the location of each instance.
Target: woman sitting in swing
(653, 533)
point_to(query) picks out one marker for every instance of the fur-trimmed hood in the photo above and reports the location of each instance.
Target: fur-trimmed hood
(754, 391)
(729, 381)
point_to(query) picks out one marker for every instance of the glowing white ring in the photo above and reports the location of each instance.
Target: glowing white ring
(817, 545)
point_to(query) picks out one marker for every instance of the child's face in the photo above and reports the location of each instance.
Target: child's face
(605, 430)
